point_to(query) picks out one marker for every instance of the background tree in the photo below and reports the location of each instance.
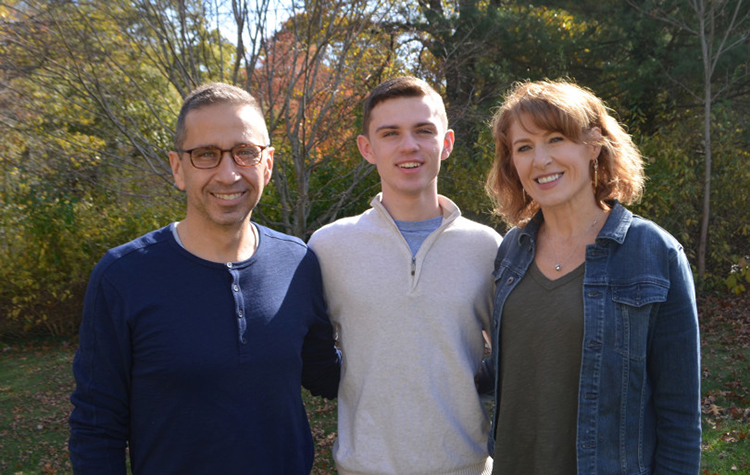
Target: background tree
(89, 92)
(311, 77)
(720, 31)
(63, 158)
(473, 51)
(96, 87)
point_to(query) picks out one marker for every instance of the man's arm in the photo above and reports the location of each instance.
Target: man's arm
(99, 423)
(321, 370)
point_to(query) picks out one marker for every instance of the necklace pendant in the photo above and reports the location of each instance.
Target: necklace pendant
(558, 267)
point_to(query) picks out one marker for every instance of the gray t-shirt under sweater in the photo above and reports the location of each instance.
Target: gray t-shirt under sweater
(541, 338)
(415, 232)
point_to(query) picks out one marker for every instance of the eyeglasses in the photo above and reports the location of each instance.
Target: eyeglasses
(244, 155)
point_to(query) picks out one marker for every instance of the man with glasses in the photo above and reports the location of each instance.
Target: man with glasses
(196, 337)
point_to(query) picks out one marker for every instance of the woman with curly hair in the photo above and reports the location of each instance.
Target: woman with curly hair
(595, 326)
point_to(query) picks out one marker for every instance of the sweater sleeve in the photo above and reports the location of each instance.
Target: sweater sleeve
(100, 419)
(321, 370)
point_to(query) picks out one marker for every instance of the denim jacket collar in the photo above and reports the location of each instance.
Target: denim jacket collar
(617, 224)
(615, 228)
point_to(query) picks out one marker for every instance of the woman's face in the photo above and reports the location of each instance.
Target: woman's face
(553, 169)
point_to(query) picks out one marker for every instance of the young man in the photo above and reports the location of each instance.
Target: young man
(196, 337)
(409, 288)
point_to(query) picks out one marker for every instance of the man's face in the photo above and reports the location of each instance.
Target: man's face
(225, 196)
(406, 141)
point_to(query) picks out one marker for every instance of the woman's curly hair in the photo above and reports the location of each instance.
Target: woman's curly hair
(564, 107)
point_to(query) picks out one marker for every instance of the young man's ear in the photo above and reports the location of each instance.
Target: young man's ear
(363, 144)
(448, 142)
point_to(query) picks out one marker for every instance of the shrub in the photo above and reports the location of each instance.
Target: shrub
(50, 245)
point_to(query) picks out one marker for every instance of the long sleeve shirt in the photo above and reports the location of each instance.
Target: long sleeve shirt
(197, 365)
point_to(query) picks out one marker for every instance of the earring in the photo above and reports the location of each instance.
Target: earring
(596, 174)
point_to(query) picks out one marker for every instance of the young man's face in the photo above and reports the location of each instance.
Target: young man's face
(407, 139)
(224, 196)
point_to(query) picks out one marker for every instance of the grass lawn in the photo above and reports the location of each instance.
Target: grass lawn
(36, 380)
(725, 348)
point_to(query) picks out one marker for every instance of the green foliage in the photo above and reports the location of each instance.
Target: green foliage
(739, 276)
(672, 195)
(51, 241)
(674, 190)
(90, 91)
(59, 216)
(73, 180)
(463, 175)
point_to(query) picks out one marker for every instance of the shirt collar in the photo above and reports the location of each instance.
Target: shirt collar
(614, 229)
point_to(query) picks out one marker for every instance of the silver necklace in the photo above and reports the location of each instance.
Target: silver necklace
(559, 265)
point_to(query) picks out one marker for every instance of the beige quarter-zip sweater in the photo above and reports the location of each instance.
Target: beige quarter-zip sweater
(410, 329)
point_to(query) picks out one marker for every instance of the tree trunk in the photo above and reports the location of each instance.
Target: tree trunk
(703, 243)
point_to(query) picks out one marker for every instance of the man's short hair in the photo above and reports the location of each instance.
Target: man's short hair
(398, 87)
(212, 94)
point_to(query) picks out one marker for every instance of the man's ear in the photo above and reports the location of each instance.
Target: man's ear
(268, 164)
(176, 164)
(448, 141)
(363, 143)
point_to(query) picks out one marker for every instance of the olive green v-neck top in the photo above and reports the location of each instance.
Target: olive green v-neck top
(541, 337)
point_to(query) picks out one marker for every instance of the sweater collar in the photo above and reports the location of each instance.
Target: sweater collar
(450, 210)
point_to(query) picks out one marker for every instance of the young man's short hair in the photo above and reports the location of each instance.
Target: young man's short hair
(398, 87)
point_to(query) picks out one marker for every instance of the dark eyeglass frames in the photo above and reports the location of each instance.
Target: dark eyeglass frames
(244, 155)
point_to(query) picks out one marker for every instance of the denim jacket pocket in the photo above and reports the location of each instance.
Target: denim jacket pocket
(634, 304)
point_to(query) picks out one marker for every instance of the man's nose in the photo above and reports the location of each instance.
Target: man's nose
(409, 142)
(227, 170)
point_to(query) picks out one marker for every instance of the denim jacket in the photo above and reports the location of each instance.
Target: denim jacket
(639, 391)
